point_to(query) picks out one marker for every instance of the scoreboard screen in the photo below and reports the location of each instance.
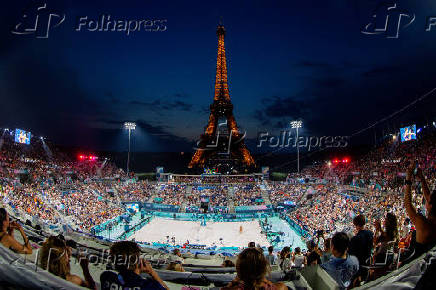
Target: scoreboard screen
(22, 136)
(408, 133)
(132, 207)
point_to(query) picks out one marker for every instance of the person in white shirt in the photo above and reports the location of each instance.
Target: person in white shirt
(270, 257)
(299, 260)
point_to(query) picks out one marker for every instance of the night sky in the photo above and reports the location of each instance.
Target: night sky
(286, 60)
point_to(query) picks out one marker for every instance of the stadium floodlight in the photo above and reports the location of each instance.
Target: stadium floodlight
(296, 125)
(129, 126)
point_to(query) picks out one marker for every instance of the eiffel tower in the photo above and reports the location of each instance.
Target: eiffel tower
(222, 145)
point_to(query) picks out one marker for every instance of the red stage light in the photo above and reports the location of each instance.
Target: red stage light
(92, 157)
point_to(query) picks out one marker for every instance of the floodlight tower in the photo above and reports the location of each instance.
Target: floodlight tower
(129, 126)
(296, 125)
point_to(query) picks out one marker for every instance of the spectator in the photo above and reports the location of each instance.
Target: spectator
(55, 257)
(175, 266)
(178, 256)
(361, 243)
(388, 239)
(299, 260)
(341, 266)
(252, 268)
(425, 226)
(128, 252)
(227, 263)
(7, 238)
(327, 252)
(252, 245)
(313, 254)
(270, 257)
(285, 259)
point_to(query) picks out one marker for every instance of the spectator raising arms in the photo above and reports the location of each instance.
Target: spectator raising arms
(7, 238)
(425, 226)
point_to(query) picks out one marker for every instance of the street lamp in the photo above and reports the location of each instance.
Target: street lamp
(129, 126)
(296, 125)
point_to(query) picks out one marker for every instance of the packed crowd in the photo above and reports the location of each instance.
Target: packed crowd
(49, 185)
(383, 168)
(330, 211)
(173, 194)
(215, 179)
(280, 193)
(140, 191)
(46, 185)
(217, 195)
(349, 231)
(247, 195)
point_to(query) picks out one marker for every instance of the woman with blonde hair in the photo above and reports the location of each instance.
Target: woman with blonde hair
(55, 257)
(252, 269)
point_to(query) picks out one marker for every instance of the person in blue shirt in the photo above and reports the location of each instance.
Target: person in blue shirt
(129, 265)
(341, 266)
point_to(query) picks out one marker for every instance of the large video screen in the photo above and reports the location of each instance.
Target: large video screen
(132, 207)
(408, 133)
(22, 136)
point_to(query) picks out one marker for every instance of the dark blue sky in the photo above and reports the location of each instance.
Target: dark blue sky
(286, 60)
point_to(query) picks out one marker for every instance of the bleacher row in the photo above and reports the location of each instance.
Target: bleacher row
(19, 271)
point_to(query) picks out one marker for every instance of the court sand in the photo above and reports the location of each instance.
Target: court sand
(221, 234)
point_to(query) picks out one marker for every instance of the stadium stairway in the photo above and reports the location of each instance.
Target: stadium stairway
(188, 192)
(230, 201)
(265, 195)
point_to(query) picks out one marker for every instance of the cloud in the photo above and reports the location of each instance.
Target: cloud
(329, 82)
(314, 64)
(276, 107)
(159, 105)
(324, 66)
(381, 70)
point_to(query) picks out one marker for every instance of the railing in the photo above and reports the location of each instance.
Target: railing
(302, 232)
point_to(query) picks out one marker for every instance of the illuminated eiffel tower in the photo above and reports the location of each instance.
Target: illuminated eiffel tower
(222, 145)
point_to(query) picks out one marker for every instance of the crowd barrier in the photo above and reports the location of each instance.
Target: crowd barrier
(302, 232)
